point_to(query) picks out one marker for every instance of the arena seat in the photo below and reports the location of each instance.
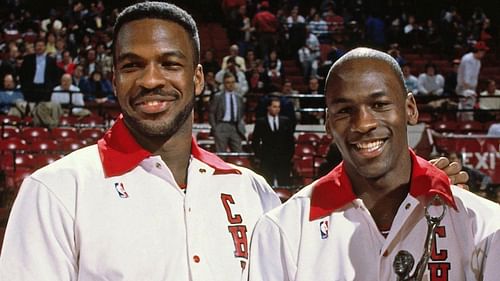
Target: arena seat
(308, 138)
(304, 149)
(64, 133)
(91, 135)
(44, 146)
(30, 134)
(444, 126)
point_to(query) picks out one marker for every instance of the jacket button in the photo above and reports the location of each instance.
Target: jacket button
(196, 259)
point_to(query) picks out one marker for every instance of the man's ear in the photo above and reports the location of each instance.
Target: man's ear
(411, 110)
(113, 81)
(327, 124)
(198, 80)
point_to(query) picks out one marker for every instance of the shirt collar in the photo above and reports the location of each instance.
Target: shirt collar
(335, 189)
(120, 152)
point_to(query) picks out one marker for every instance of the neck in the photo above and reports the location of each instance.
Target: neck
(383, 195)
(175, 151)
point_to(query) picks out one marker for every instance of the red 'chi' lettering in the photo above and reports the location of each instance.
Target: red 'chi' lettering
(239, 233)
(439, 271)
(226, 200)
(439, 255)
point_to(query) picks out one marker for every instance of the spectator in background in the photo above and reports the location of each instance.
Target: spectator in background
(66, 64)
(413, 33)
(226, 116)
(375, 29)
(396, 53)
(450, 81)
(294, 17)
(317, 104)
(466, 103)
(98, 88)
(308, 59)
(430, 82)
(266, 25)
(68, 94)
(319, 28)
(79, 78)
(411, 82)
(39, 74)
(10, 94)
(258, 78)
(234, 53)
(490, 98)
(91, 64)
(233, 68)
(287, 105)
(50, 44)
(274, 67)
(104, 60)
(494, 130)
(273, 144)
(468, 70)
(209, 63)
(203, 101)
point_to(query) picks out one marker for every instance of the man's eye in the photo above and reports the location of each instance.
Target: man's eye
(171, 65)
(380, 105)
(130, 65)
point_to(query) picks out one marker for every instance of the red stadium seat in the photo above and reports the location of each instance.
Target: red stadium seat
(10, 132)
(69, 145)
(9, 120)
(13, 144)
(30, 134)
(92, 121)
(91, 135)
(471, 127)
(44, 145)
(304, 149)
(240, 161)
(444, 126)
(63, 133)
(45, 159)
(326, 139)
(68, 121)
(304, 168)
(308, 138)
(323, 150)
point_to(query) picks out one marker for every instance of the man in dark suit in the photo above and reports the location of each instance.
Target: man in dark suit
(226, 116)
(273, 144)
(39, 74)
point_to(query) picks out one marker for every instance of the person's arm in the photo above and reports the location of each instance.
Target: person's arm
(270, 256)
(39, 242)
(421, 85)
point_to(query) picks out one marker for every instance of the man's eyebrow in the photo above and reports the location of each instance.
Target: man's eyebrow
(133, 56)
(374, 95)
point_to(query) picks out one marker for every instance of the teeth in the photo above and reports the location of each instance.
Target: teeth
(152, 103)
(370, 146)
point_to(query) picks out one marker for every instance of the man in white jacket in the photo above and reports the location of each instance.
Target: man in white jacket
(367, 219)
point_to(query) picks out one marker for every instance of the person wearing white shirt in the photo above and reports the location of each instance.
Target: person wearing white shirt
(470, 65)
(490, 98)
(65, 92)
(430, 82)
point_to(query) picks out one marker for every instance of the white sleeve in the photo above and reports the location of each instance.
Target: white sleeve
(39, 241)
(421, 85)
(491, 270)
(270, 255)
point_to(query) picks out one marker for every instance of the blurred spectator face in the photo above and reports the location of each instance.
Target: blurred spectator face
(13, 52)
(230, 84)
(274, 108)
(313, 84)
(78, 71)
(8, 82)
(492, 86)
(233, 50)
(209, 77)
(406, 70)
(96, 76)
(39, 47)
(67, 57)
(51, 38)
(287, 88)
(209, 56)
(250, 56)
(60, 44)
(66, 82)
(91, 55)
(431, 71)
(273, 55)
(295, 11)
(480, 54)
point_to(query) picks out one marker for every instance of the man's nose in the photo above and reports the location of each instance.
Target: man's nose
(363, 120)
(152, 77)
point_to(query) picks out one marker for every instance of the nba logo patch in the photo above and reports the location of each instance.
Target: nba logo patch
(121, 190)
(323, 229)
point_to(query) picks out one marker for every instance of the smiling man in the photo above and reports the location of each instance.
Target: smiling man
(145, 203)
(367, 218)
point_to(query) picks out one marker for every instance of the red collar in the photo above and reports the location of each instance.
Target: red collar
(120, 153)
(335, 189)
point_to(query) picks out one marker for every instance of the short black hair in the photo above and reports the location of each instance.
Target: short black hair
(163, 11)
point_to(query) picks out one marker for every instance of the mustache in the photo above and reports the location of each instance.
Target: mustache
(157, 92)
